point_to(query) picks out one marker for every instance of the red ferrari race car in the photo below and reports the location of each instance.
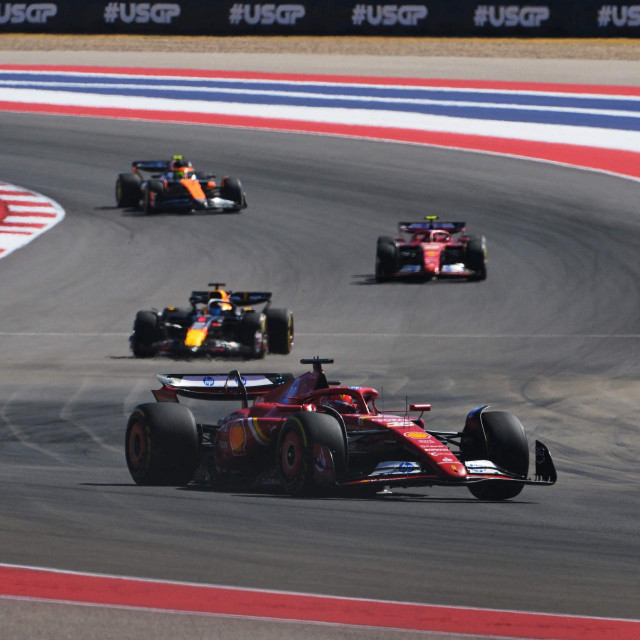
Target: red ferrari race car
(308, 433)
(431, 252)
(174, 185)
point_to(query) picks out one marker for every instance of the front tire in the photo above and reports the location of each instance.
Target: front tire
(145, 333)
(476, 257)
(295, 457)
(386, 259)
(231, 189)
(280, 330)
(161, 444)
(128, 192)
(506, 446)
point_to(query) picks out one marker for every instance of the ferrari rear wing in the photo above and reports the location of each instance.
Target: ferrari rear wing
(424, 227)
(218, 386)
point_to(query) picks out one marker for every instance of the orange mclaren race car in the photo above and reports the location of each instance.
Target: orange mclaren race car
(174, 185)
(302, 434)
(217, 323)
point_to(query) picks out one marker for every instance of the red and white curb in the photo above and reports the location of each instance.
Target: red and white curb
(24, 215)
(69, 587)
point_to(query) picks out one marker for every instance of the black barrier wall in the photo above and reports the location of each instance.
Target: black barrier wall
(553, 18)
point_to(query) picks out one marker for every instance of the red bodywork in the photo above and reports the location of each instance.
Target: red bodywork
(434, 249)
(380, 448)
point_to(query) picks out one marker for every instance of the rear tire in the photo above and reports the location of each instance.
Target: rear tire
(145, 333)
(507, 447)
(161, 444)
(295, 450)
(231, 189)
(128, 192)
(280, 330)
(476, 257)
(386, 259)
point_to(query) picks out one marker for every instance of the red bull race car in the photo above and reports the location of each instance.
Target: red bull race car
(174, 185)
(217, 323)
(305, 434)
(431, 252)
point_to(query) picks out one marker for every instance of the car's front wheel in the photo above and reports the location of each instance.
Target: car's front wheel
(128, 192)
(386, 259)
(280, 330)
(506, 446)
(231, 189)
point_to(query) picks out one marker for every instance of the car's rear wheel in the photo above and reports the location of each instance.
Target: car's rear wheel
(145, 333)
(128, 192)
(300, 435)
(280, 330)
(386, 259)
(161, 444)
(231, 189)
(476, 257)
(506, 446)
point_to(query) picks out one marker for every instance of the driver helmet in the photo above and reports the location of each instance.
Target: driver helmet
(179, 163)
(343, 404)
(218, 307)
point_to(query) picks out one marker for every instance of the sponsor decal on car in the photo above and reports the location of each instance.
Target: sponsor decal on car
(261, 436)
(237, 438)
(416, 435)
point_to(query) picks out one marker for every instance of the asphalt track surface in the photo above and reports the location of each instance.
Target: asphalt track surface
(552, 336)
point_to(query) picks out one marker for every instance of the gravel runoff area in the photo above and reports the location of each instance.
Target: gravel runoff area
(605, 61)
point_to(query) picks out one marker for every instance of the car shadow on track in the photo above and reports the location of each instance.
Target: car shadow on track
(395, 497)
(363, 279)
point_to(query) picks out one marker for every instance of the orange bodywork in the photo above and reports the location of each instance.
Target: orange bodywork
(194, 188)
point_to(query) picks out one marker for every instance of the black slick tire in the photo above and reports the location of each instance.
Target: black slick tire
(128, 192)
(231, 189)
(280, 329)
(506, 447)
(386, 259)
(161, 444)
(476, 257)
(295, 450)
(145, 333)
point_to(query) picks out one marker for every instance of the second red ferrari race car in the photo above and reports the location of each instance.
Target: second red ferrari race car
(174, 185)
(431, 251)
(309, 433)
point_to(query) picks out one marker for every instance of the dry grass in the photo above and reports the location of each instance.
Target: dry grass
(585, 49)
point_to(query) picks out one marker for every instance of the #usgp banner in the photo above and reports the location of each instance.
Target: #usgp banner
(553, 18)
